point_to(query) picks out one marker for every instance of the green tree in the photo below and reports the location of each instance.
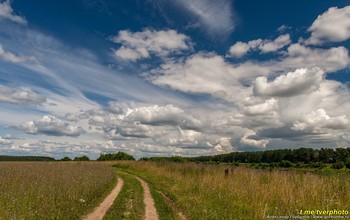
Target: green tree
(118, 156)
(66, 159)
(83, 158)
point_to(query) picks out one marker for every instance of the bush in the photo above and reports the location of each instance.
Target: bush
(338, 165)
(235, 163)
(286, 163)
(317, 165)
(347, 163)
(83, 158)
(118, 156)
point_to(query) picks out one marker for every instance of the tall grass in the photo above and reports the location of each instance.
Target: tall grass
(205, 192)
(51, 190)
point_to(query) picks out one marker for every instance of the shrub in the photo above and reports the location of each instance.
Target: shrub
(118, 156)
(83, 158)
(347, 163)
(285, 163)
(338, 165)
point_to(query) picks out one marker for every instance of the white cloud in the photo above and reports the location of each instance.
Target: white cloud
(332, 26)
(240, 49)
(224, 145)
(294, 83)
(267, 107)
(220, 78)
(268, 46)
(6, 11)
(140, 45)
(5, 142)
(10, 57)
(162, 115)
(50, 125)
(329, 60)
(216, 17)
(317, 121)
(20, 96)
(248, 139)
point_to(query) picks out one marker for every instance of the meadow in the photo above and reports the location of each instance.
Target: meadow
(204, 191)
(70, 190)
(52, 190)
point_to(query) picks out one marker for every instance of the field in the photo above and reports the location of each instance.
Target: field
(52, 190)
(70, 190)
(205, 192)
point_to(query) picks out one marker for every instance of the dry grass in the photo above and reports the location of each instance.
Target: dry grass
(52, 190)
(204, 192)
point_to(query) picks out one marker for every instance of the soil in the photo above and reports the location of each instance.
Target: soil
(150, 209)
(101, 210)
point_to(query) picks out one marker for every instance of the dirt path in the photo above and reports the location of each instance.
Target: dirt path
(150, 209)
(101, 210)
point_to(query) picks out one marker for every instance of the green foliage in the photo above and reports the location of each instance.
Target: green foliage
(83, 158)
(177, 159)
(235, 163)
(301, 155)
(286, 163)
(118, 156)
(25, 158)
(66, 159)
(338, 165)
(347, 163)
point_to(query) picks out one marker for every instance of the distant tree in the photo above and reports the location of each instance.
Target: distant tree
(66, 159)
(83, 158)
(118, 156)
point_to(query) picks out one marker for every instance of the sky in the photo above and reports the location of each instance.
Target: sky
(165, 78)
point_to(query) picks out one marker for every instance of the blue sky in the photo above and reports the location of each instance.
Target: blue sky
(179, 77)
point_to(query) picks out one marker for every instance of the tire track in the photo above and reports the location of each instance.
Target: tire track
(150, 209)
(101, 210)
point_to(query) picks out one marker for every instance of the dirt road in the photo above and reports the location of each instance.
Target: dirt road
(101, 210)
(150, 209)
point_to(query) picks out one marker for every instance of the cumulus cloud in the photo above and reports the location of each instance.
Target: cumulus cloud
(329, 60)
(20, 96)
(294, 83)
(10, 57)
(267, 107)
(216, 17)
(162, 115)
(220, 78)
(50, 125)
(240, 49)
(139, 45)
(331, 26)
(268, 46)
(223, 144)
(6, 11)
(317, 121)
(250, 139)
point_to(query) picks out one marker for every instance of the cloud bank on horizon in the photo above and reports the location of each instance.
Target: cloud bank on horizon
(197, 84)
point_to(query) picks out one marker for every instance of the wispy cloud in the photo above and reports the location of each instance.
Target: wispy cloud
(216, 17)
(6, 12)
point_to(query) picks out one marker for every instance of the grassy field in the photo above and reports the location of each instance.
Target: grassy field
(205, 192)
(52, 190)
